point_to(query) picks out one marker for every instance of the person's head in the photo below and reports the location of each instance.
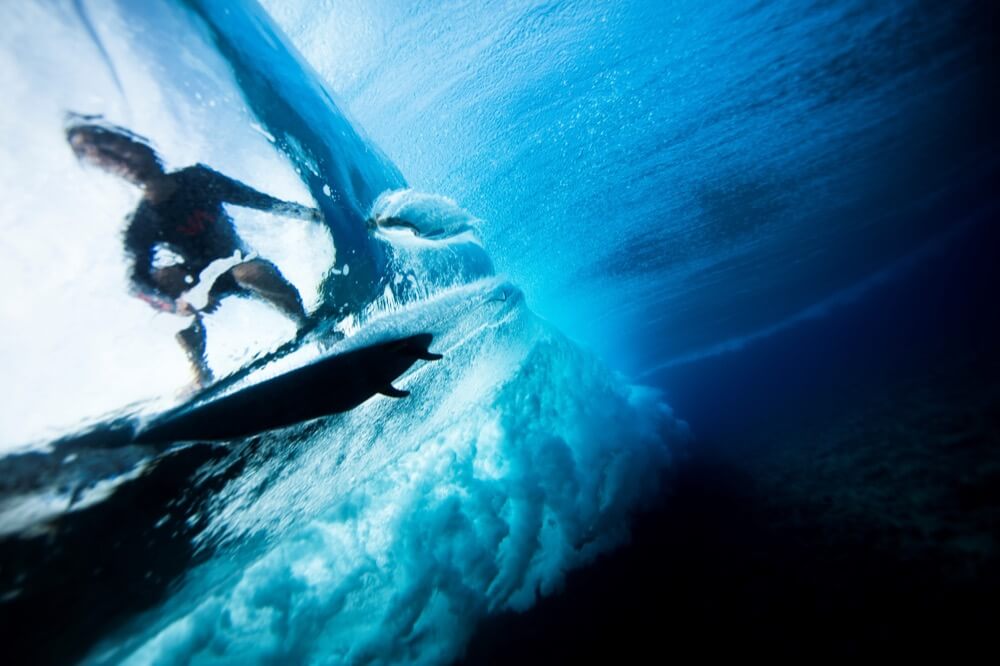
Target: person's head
(113, 149)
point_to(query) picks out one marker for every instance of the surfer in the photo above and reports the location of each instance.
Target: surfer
(180, 228)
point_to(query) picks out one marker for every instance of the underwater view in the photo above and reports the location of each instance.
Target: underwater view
(458, 332)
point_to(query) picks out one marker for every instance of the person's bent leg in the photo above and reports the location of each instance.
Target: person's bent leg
(265, 280)
(225, 286)
(192, 340)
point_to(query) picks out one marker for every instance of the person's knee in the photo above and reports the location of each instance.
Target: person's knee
(254, 271)
(244, 272)
(262, 277)
(265, 280)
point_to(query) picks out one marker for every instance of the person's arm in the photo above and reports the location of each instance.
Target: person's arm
(140, 240)
(233, 191)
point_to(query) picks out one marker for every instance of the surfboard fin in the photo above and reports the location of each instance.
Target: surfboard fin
(393, 392)
(426, 355)
(418, 350)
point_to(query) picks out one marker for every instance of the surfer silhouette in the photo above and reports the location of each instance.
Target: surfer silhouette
(180, 228)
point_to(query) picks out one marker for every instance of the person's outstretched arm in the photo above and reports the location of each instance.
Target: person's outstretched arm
(233, 191)
(140, 242)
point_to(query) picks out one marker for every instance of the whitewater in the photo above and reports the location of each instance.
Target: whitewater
(382, 536)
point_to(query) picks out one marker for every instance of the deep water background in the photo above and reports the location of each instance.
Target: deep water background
(841, 499)
(784, 215)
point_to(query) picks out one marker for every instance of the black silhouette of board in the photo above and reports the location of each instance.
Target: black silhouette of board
(329, 385)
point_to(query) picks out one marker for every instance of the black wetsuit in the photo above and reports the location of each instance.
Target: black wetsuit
(193, 225)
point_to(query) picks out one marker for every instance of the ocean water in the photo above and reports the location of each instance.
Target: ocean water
(716, 281)
(665, 178)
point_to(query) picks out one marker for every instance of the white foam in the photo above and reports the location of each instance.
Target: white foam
(430, 216)
(387, 533)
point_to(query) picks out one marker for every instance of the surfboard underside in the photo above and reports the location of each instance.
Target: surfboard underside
(328, 386)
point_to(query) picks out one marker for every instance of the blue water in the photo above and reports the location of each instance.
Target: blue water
(635, 229)
(663, 177)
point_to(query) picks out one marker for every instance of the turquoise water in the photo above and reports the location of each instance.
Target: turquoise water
(665, 177)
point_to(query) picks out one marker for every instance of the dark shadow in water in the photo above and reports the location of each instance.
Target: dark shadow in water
(719, 572)
(841, 500)
(730, 211)
(94, 568)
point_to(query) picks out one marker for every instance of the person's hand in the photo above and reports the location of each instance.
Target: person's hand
(171, 279)
(183, 308)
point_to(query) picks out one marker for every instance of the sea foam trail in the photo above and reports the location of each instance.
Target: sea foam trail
(384, 535)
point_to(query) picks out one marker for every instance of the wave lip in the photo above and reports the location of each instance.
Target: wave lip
(428, 216)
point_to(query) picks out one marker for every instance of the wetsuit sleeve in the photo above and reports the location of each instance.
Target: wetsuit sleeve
(140, 239)
(233, 191)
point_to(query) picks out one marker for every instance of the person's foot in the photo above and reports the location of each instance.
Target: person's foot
(306, 325)
(190, 390)
(192, 341)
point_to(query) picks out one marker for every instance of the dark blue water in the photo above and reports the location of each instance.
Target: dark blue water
(932, 312)
(841, 500)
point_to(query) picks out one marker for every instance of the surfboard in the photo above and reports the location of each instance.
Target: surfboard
(328, 385)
